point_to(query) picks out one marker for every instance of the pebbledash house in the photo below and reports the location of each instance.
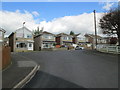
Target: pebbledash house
(21, 40)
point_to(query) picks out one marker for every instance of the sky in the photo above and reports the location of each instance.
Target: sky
(55, 17)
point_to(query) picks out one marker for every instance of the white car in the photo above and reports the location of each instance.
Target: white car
(79, 48)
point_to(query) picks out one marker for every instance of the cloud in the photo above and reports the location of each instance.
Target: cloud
(83, 23)
(35, 13)
(11, 21)
(79, 24)
(108, 5)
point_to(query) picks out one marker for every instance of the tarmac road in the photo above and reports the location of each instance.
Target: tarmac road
(74, 69)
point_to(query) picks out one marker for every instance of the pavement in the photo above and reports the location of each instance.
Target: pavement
(19, 72)
(74, 69)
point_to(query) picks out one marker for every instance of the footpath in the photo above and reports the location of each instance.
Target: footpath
(19, 72)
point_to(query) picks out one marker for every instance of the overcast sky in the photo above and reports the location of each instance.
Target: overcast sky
(54, 17)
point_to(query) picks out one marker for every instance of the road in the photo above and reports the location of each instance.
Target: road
(74, 69)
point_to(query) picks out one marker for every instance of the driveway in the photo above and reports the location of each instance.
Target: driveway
(74, 69)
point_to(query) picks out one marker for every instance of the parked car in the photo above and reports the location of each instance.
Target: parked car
(79, 48)
(63, 46)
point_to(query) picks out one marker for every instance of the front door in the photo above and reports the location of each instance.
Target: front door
(30, 46)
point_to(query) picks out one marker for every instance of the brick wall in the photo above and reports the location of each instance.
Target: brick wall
(58, 41)
(11, 42)
(74, 39)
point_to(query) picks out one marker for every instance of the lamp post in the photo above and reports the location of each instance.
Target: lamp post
(95, 28)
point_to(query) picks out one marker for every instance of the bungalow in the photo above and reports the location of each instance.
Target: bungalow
(21, 40)
(63, 39)
(2, 31)
(45, 40)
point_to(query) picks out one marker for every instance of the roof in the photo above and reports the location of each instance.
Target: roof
(11, 34)
(1, 29)
(24, 28)
(76, 34)
(63, 34)
(45, 32)
(20, 29)
(92, 36)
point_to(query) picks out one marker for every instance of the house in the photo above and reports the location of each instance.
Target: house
(2, 31)
(21, 40)
(45, 40)
(92, 40)
(63, 39)
(80, 40)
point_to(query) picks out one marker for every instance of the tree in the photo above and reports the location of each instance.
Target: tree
(37, 31)
(72, 33)
(110, 23)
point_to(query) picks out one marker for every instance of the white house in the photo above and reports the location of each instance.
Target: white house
(21, 40)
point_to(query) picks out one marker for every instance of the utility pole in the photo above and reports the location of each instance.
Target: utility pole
(23, 35)
(23, 29)
(95, 28)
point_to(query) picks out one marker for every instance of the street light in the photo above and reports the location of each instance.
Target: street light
(95, 28)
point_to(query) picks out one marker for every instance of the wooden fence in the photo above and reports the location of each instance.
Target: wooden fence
(6, 56)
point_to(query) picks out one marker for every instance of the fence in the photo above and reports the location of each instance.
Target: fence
(6, 56)
(109, 49)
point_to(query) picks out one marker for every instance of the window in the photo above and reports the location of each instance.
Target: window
(21, 45)
(45, 45)
(45, 36)
(69, 38)
(65, 38)
(51, 37)
(29, 36)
